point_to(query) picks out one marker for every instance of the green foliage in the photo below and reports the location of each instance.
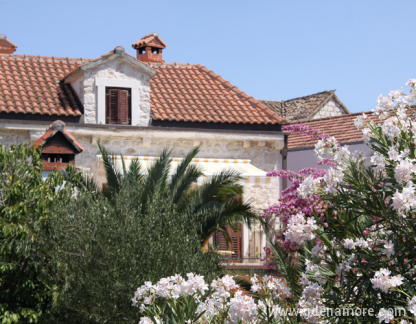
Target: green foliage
(103, 249)
(25, 207)
(215, 204)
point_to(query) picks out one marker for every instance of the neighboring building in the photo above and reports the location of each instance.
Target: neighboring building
(300, 148)
(318, 105)
(137, 107)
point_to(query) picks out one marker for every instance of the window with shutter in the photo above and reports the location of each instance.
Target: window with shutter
(234, 247)
(118, 108)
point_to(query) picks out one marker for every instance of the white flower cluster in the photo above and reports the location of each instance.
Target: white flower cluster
(276, 287)
(223, 299)
(412, 305)
(171, 287)
(300, 229)
(311, 299)
(383, 281)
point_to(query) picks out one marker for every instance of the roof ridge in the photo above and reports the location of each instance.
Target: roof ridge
(313, 94)
(44, 57)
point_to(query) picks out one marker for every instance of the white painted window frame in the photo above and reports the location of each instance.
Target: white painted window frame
(101, 84)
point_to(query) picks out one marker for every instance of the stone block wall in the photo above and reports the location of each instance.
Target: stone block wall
(263, 156)
(117, 69)
(332, 108)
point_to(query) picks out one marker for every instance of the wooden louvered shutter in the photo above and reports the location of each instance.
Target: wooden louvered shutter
(112, 103)
(235, 245)
(123, 107)
(118, 106)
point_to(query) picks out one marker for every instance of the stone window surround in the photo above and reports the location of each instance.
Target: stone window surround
(133, 85)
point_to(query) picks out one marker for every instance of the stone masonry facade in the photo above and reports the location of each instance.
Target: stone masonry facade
(331, 108)
(262, 155)
(116, 69)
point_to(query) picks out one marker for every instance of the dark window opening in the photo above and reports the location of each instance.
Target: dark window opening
(155, 50)
(58, 158)
(142, 50)
(118, 106)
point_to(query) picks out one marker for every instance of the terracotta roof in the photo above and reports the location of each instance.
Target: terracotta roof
(30, 85)
(179, 92)
(341, 127)
(55, 127)
(192, 93)
(302, 107)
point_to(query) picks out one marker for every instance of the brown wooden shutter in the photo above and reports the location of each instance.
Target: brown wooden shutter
(235, 245)
(123, 107)
(118, 107)
(112, 104)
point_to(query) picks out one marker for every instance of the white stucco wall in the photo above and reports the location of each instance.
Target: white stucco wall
(331, 108)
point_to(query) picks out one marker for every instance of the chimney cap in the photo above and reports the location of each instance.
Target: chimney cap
(6, 46)
(152, 40)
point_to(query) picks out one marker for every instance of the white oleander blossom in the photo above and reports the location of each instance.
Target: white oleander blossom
(333, 179)
(349, 244)
(325, 147)
(383, 281)
(405, 201)
(404, 171)
(359, 121)
(300, 229)
(385, 315)
(242, 308)
(388, 248)
(367, 134)
(411, 306)
(308, 187)
(378, 160)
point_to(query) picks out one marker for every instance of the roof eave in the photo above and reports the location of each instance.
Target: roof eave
(339, 102)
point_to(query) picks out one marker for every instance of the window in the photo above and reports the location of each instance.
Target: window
(118, 106)
(233, 249)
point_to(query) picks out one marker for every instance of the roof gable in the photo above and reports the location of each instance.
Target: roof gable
(303, 107)
(58, 129)
(117, 53)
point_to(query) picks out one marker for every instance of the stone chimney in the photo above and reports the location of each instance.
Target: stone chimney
(149, 48)
(6, 46)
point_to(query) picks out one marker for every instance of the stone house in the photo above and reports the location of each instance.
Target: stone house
(137, 106)
(318, 105)
(300, 148)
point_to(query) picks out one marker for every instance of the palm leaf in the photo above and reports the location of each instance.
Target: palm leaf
(112, 175)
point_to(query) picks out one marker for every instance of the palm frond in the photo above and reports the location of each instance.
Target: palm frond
(113, 176)
(213, 192)
(156, 180)
(134, 173)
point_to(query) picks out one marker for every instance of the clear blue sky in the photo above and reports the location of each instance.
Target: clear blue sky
(270, 49)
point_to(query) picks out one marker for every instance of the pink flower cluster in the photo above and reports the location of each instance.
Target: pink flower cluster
(290, 203)
(305, 130)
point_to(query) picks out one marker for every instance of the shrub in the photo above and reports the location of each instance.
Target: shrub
(102, 249)
(26, 203)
